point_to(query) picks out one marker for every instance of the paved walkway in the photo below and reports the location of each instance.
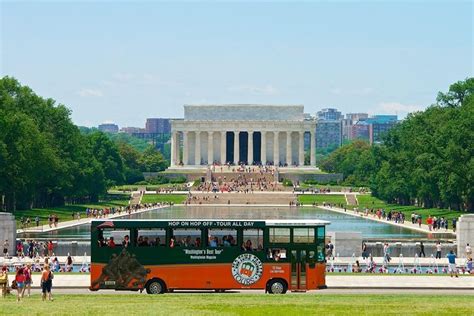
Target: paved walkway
(407, 224)
(82, 221)
(332, 281)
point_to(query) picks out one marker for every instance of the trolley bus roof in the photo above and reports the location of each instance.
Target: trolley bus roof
(268, 222)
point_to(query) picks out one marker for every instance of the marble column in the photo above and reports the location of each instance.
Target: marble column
(250, 148)
(263, 145)
(197, 149)
(185, 148)
(301, 149)
(210, 148)
(313, 149)
(276, 148)
(173, 149)
(236, 147)
(223, 147)
(288, 149)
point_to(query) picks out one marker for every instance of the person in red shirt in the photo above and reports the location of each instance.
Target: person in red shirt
(111, 242)
(429, 221)
(20, 283)
(50, 248)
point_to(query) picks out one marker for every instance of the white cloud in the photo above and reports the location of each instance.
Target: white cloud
(397, 108)
(265, 90)
(90, 93)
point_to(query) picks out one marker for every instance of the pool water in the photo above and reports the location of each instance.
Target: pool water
(339, 222)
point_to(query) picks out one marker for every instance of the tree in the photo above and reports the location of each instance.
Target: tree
(152, 160)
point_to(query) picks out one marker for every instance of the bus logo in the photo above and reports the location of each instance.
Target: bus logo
(247, 269)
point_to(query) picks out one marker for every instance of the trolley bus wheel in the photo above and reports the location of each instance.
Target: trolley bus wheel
(155, 286)
(277, 286)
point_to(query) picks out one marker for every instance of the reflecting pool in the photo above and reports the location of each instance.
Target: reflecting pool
(339, 222)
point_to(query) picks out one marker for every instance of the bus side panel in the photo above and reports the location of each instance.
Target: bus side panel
(213, 276)
(316, 277)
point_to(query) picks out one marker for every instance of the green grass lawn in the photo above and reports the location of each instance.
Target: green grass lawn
(241, 304)
(373, 202)
(308, 199)
(65, 212)
(156, 198)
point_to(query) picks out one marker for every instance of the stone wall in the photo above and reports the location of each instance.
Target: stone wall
(464, 233)
(252, 112)
(8, 232)
(408, 249)
(346, 243)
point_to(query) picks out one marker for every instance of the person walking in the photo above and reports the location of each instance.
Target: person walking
(438, 250)
(452, 264)
(468, 252)
(20, 283)
(364, 251)
(4, 280)
(422, 250)
(386, 253)
(28, 280)
(5, 248)
(46, 283)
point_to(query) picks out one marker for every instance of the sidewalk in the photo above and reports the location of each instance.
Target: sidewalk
(407, 224)
(82, 221)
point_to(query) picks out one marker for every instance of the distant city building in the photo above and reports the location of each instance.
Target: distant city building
(380, 125)
(357, 116)
(158, 126)
(108, 128)
(132, 130)
(328, 134)
(351, 119)
(329, 114)
(361, 130)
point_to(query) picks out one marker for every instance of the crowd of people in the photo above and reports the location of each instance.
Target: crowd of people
(371, 266)
(23, 280)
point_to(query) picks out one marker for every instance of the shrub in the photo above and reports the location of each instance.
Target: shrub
(287, 183)
(180, 179)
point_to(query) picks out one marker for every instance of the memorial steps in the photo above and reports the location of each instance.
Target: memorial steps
(261, 198)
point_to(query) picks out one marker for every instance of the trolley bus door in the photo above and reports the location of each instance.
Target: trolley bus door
(298, 270)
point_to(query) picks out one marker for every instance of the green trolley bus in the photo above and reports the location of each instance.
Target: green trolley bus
(208, 254)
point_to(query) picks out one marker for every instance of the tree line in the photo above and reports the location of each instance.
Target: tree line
(45, 160)
(426, 160)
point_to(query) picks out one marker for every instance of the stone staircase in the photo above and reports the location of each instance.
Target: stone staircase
(351, 199)
(282, 198)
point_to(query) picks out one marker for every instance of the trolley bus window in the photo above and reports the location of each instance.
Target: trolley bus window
(252, 240)
(303, 235)
(114, 237)
(222, 237)
(154, 237)
(320, 244)
(277, 254)
(182, 237)
(279, 235)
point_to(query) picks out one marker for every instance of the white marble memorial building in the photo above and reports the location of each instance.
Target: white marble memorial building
(248, 134)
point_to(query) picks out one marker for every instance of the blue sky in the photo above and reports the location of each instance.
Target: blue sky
(123, 62)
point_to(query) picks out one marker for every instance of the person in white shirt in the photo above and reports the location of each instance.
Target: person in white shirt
(468, 252)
